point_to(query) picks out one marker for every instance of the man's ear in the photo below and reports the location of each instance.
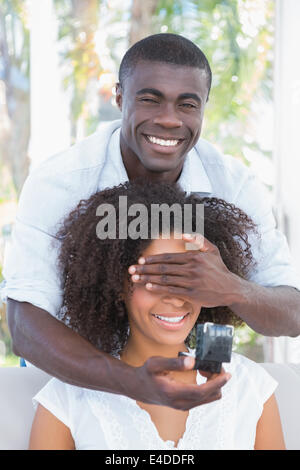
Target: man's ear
(119, 96)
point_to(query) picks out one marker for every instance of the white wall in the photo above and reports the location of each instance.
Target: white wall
(287, 143)
(50, 128)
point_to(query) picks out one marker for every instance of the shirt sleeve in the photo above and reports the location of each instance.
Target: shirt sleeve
(29, 270)
(270, 249)
(50, 192)
(55, 398)
(30, 259)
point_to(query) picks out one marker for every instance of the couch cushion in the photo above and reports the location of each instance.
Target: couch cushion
(17, 387)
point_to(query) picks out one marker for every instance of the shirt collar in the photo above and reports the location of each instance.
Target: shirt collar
(193, 178)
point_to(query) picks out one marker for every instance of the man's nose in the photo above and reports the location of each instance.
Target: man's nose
(167, 117)
(175, 301)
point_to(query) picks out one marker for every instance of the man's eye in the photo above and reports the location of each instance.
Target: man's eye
(188, 105)
(148, 100)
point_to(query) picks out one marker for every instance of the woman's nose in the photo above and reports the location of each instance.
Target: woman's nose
(175, 301)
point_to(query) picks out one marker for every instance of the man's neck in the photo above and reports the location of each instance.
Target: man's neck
(139, 171)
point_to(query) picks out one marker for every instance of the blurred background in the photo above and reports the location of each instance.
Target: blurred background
(59, 62)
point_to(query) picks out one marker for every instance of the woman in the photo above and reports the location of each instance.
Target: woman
(109, 307)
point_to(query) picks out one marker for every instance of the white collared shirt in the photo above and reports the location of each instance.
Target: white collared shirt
(56, 186)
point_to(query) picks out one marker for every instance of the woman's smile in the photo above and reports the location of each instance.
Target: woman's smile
(170, 321)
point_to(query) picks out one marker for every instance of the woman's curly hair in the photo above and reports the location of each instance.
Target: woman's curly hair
(93, 270)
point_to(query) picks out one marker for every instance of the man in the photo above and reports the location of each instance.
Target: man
(164, 84)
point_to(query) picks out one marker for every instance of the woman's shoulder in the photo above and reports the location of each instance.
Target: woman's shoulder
(58, 392)
(77, 397)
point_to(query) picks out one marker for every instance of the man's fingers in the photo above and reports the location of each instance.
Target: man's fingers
(217, 381)
(189, 363)
(197, 241)
(210, 390)
(157, 269)
(186, 397)
(194, 242)
(181, 395)
(168, 258)
(159, 365)
(212, 375)
(176, 281)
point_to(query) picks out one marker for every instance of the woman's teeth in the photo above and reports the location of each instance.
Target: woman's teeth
(167, 143)
(170, 319)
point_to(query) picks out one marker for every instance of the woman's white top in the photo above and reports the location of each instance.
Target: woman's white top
(101, 420)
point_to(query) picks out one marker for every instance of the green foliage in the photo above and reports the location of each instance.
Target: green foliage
(249, 343)
(11, 360)
(77, 26)
(14, 77)
(14, 13)
(7, 187)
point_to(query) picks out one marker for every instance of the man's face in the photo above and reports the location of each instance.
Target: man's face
(162, 112)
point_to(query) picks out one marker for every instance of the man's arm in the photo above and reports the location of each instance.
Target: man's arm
(53, 347)
(271, 311)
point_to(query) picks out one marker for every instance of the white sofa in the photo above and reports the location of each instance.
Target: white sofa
(19, 384)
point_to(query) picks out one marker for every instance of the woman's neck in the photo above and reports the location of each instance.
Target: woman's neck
(136, 353)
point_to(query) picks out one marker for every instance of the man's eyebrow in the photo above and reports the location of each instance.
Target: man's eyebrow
(193, 96)
(151, 91)
(182, 96)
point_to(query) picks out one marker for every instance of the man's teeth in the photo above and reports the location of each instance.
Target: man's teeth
(170, 319)
(167, 143)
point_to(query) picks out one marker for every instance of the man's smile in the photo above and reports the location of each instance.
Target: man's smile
(165, 144)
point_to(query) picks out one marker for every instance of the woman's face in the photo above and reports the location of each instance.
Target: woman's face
(160, 319)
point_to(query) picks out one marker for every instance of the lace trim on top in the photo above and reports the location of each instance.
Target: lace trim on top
(205, 426)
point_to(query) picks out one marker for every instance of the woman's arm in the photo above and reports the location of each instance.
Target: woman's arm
(269, 435)
(49, 433)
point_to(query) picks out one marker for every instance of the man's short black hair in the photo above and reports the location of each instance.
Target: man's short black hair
(168, 48)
